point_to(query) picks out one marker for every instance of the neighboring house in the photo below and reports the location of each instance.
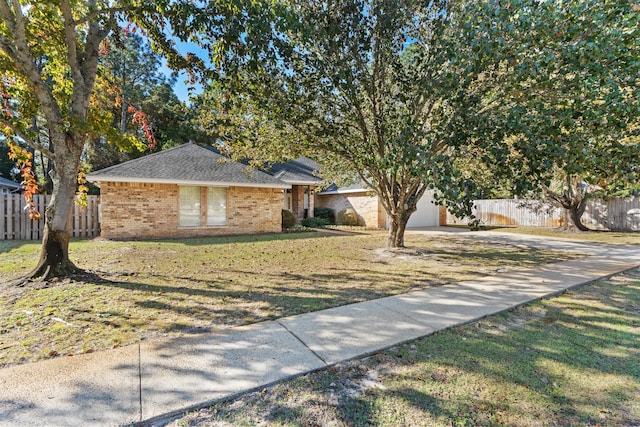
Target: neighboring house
(187, 191)
(7, 186)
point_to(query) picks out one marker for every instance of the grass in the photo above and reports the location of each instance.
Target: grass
(609, 237)
(567, 361)
(150, 289)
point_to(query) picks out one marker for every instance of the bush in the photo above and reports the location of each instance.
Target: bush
(347, 217)
(325, 213)
(315, 222)
(288, 219)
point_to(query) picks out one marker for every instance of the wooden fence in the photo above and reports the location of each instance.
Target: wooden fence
(614, 214)
(16, 225)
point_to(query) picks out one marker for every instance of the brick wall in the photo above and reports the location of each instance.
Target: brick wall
(133, 210)
(370, 212)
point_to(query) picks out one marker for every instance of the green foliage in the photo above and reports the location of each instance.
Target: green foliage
(173, 122)
(313, 222)
(572, 100)
(452, 96)
(347, 217)
(392, 90)
(288, 219)
(132, 77)
(6, 165)
(325, 213)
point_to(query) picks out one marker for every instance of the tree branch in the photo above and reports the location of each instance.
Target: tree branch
(20, 54)
(70, 40)
(7, 46)
(26, 137)
(111, 11)
(7, 15)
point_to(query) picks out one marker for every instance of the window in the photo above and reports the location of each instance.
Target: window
(189, 206)
(214, 209)
(216, 206)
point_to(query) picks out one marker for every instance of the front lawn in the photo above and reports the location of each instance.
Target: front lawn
(148, 289)
(567, 361)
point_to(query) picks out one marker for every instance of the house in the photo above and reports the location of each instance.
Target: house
(191, 190)
(302, 198)
(187, 191)
(7, 186)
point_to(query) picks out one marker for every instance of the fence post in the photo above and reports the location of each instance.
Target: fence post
(10, 217)
(3, 216)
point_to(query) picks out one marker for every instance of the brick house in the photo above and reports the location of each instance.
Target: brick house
(192, 190)
(187, 191)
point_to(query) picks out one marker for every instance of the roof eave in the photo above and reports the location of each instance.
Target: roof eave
(91, 178)
(293, 182)
(358, 190)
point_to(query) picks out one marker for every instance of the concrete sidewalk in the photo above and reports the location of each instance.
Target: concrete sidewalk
(150, 380)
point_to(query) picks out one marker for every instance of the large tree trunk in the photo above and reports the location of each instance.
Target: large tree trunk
(576, 209)
(83, 27)
(399, 202)
(573, 200)
(54, 257)
(397, 226)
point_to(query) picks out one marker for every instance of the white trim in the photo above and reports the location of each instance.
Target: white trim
(300, 182)
(184, 182)
(360, 190)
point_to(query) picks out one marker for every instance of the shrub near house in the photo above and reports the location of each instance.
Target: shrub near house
(325, 213)
(347, 217)
(288, 219)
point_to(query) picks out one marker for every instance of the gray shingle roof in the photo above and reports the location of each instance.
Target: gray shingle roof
(8, 183)
(187, 164)
(299, 171)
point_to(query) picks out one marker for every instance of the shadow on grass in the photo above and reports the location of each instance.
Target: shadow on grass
(244, 238)
(570, 367)
(221, 302)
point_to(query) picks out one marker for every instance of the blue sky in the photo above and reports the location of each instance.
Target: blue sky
(181, 86)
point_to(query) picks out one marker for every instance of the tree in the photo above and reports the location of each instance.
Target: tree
(574, 95)
(393, 89)
(65, 38)
(172, 121)
(133, 68)
(129, 73)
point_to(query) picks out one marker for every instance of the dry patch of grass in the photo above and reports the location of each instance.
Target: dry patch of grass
(147, 289)
(567, 361)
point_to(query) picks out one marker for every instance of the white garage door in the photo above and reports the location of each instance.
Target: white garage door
(427, 215)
